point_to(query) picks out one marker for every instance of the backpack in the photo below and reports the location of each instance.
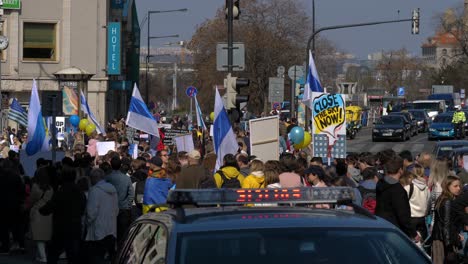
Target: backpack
(369, 199)
(232, 183)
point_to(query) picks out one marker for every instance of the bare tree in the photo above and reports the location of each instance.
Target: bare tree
(274, 33)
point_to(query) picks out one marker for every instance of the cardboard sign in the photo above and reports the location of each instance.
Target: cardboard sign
(264, 143)
(104, 147)
(184, 143)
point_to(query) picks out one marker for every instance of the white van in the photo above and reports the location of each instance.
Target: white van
(433, 107)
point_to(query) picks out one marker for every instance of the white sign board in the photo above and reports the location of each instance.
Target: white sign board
(264, 138)
(60, 124)
(104, 147)
(184, 143)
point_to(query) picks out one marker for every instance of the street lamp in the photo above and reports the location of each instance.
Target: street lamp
(148, 16)
(174, 77)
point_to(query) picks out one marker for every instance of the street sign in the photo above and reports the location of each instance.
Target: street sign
(238, 57)
(401, 91)
(280, 71)
(276, 89)
(462, 93)
(191, 91)
(11, 4)
(295, 72)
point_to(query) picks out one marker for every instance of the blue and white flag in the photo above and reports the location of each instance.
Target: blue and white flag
(200, 121)
(224, 138)
(139, 117)
(17, 113)
(85, 108)
(133, 150)
(312, 83)
(38, 140)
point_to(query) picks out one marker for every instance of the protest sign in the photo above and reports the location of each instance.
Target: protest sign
(170, 134)
(329, 125)
(104, 147)
(264, 143)
(184, 143)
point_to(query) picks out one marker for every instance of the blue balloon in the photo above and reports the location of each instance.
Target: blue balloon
(296, 135)
(75, 120)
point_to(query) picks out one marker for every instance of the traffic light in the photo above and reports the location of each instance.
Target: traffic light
(415, 22)
(231, 93)
(232, 97)
(235, 9)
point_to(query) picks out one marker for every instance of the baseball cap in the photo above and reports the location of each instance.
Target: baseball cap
(194, 154)
(156, 161)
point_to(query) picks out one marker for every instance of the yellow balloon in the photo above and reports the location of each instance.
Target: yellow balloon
(83, 123)
(212, 116)
(307, 139)
(90, 128)
(305, 142)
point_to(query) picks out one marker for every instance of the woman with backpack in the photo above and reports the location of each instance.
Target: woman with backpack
(256, 179)
(228, 176)
(446, 238)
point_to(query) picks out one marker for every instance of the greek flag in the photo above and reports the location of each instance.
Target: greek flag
(139, 117)
(17, 113)
(200, 121)
(312, 82)
(224, 138)
(38, 140)
(85, 108)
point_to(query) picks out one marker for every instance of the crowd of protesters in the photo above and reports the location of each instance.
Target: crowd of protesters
(81, 207)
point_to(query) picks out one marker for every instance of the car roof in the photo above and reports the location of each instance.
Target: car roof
(462, 150)
(451, 143)
(244, 217)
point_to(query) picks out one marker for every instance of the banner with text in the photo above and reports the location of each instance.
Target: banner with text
(329, 125)
(113, 48)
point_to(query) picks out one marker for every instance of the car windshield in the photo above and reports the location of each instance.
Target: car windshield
(418, 114)
(391, 120)
(427, 106)
(443, 119)
(294, 245)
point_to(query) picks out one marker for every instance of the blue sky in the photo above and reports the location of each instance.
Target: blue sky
(359, 41)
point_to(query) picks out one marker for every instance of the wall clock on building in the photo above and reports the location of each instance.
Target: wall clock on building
(3, 42)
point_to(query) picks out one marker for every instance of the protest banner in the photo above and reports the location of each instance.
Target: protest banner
(104, 147)
(264, 143)
(329, 125)
(170, 134)
(184, 143)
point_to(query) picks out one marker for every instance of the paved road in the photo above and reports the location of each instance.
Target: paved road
(363, 142)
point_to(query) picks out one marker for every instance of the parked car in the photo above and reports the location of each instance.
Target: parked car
(391, 127)
(422, 118)
(441, 127)
(410, 119)
(445, 148)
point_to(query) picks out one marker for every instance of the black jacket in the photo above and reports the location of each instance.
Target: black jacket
(12, 191)
(444, 229)
(393, 205)
(459, 217)
(67, 206)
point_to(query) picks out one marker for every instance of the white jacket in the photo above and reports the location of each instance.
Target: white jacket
(419, 200)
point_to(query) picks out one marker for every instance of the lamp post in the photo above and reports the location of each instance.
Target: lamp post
(149, 38)
(174, 77)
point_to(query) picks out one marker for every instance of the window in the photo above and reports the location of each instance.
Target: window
(289, 245)
(148, 245)
(39, 41)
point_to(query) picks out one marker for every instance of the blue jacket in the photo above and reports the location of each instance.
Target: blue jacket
(156, 190)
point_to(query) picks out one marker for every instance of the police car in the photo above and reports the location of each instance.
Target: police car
(242, 226)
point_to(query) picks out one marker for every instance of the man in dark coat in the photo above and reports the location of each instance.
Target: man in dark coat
(12, 196)
(67, 206)
(194, 176)
(392, 199)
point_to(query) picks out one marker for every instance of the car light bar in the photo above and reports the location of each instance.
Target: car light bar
(268, 196)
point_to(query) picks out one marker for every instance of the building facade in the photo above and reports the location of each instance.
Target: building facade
(50, 36)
